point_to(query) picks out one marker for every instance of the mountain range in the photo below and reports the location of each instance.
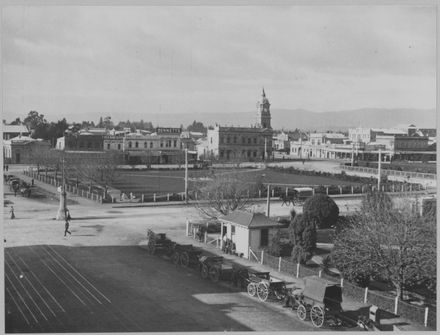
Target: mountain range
(307, 120)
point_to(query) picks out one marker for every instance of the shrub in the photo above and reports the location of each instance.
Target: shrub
(322, 210)
(303, 238)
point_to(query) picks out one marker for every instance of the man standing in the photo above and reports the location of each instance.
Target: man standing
(66, 227)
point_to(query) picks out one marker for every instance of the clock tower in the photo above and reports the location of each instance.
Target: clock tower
(263, 112)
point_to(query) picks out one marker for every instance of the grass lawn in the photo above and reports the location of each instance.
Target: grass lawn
(172, 181)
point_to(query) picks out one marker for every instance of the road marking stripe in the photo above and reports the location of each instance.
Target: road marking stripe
(79, 274)
(25, 289)
(16, 304)
(70, 274)
(19, 295)
(36, 291)
(42, 285)
(62, 281)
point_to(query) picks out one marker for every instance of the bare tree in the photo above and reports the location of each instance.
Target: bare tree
(390, 243)
(224, 192)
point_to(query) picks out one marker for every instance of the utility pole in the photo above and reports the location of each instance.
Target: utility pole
(61, 215)
(186, 175)
(352, 154)
(268, 201)
(378, 169)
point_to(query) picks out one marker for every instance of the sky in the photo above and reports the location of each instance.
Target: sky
(127, 62)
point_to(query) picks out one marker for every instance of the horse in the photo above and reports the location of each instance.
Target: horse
(287, 199)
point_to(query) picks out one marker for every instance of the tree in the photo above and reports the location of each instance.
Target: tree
(197, 126)
(224, 192)
(322, 210)
(388, 242)
(278, 247)
(302, 233)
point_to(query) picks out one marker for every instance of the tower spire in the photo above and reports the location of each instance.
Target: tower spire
(264, 93)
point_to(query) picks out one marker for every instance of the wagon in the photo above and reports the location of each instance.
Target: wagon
(259, 284)
(215, 268)
(185, 254)
(159, 243)
(301, 194)
(320, 300)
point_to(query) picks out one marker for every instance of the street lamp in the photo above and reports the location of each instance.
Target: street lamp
(186, 175)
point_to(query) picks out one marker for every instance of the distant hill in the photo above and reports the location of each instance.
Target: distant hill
(299, 118)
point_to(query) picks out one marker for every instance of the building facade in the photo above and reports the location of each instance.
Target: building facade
(14, 130)
(24, 150)
(243, 143)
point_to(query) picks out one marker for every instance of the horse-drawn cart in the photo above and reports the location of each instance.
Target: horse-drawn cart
(259, 284)
(320, 300)
(158, 243)
(215, 268)
(185, 254)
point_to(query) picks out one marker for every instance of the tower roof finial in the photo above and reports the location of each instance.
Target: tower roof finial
(264, 94)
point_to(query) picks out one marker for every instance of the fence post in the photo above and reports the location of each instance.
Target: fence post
(154, 197)
(326, 190)
(313, 191)
(342, 282)
(426, 317)
(248, 194)
(410, 187)
(259, 193)
(168, 197)
(279, 264)
(393, 187)
(273, 193)
(366, 295)
(297, 270)
(206, 237)
(262, 256)
(396, 302)
(340, 189)
(287, 191)
(195, 195)
(352, 190)
(142, 197)
(319, 273)
(187, 227)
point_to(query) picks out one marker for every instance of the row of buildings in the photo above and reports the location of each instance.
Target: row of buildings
(256, 142)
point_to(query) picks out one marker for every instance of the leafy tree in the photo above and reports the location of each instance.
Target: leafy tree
(392, 243)
(278, 247)
(302, 233)
(322, 210)
(17, 121)
(198, 127)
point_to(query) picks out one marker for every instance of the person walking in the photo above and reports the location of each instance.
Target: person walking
(11, 211)
(66, 227)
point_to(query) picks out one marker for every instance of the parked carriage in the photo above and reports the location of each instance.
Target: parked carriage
(215, 268)
(159, 243)
(186, 255)
(320, 301)
(259, 284)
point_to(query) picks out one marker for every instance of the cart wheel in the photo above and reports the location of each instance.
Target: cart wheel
(204, 271)
(176, 258)
(184, 259)
(262, 291)
(251, 289)
(214, 274)
(317, 316)
(301, 312)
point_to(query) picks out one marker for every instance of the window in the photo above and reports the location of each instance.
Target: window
(161, 144)
(235, 139)
(211, 140)
(89, 145)
(228, 140)
(119, 146)
(249, 140)
(175, 143)
(136, 144)
(145, 144)
(255, 154)
(255, 140)
(81, 144)
(233, 230)
(243, 140)
(108, 146)
(129, 144)
(151, 144)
